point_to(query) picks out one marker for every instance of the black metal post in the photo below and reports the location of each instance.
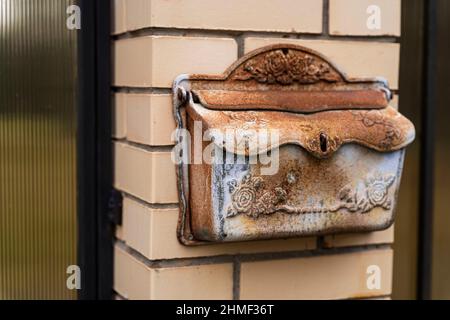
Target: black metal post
(86, 168)
(95, 234)
(105, 228)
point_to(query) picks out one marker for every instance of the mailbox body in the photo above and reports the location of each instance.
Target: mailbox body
(335, 165)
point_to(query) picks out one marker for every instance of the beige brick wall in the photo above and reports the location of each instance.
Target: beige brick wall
(335, 276)
(266, 15)
(153, 41)
(133, 279)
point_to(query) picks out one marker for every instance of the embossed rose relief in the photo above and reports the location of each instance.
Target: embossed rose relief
(245, 197)
(249, 197)
(375, 117)
(287, 66)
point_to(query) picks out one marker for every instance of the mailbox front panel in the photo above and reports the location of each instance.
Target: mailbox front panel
(353, 190)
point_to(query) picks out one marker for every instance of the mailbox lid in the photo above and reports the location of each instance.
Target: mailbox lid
(319, 133)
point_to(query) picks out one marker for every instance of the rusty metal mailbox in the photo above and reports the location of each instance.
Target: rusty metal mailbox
(284, 144)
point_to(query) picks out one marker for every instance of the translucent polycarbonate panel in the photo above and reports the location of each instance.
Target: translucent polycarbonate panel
(38, 76)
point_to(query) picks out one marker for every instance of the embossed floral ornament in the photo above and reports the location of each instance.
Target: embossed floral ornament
(369, 118)
(249, 198)
(377, 188)
(375, 194)
(245, 194)
(246, 197)
(375, 117)
(299, 64)
(287, 66)
(276, 64)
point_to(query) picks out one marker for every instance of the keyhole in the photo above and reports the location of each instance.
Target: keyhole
(323, 142)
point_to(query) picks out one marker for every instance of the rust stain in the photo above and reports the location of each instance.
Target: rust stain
(295, 101)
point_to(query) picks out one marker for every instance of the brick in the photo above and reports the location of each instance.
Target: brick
(357, 239)
(155, 61)
(349, 17)
(147, 175)
(134, 280)
(139, 14)
(131, 277)
(356, 58)
(209, 282)
(252, 15)
(152, 232)
(132, 62)
(150, 119)
(119, 130)
(118, 24)
(339, 276)
(119, 233)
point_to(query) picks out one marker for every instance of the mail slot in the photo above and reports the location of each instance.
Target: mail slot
(284, 144)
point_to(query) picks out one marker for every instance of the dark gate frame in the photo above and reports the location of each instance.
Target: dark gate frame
(427, 158)
(95, 235)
